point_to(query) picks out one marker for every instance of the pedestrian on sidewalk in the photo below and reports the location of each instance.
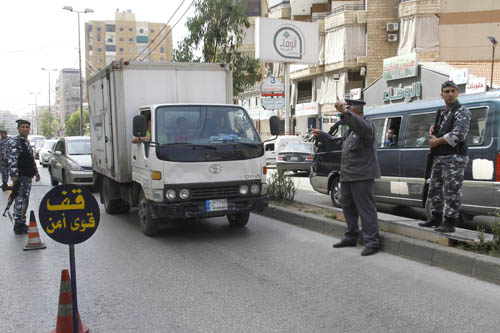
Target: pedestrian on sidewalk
(358, 169)
(22, 168)
(4, 163)
(449, 152)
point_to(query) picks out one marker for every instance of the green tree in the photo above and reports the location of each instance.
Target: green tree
(73, 123)
(49, 125)
(218, 28)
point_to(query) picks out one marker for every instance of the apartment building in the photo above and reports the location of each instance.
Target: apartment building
(357, 36)
(125, 39)
(67, 93)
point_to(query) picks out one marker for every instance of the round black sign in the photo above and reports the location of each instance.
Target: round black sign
(69, 214)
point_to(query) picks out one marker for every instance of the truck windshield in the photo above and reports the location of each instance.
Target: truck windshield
(205, 133)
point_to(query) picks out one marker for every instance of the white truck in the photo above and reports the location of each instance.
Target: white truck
(201, 156)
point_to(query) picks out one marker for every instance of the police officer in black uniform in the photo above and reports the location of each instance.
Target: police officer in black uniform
(22, 168)
(358, 169)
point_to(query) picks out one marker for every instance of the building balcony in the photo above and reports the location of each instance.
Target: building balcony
(418, 7)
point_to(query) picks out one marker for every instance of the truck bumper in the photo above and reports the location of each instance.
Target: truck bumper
(197, 209)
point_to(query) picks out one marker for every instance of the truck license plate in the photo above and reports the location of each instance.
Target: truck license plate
(217, 204)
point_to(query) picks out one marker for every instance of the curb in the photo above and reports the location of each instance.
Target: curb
(478, 266)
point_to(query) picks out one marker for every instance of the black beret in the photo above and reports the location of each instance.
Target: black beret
(354, 101)
(22, 122)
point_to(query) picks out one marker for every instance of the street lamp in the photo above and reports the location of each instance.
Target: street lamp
(49, 70)
(493, 44)
(34, 118)
(85, 11)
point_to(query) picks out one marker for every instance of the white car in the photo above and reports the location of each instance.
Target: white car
(46, 151)
(71, 162)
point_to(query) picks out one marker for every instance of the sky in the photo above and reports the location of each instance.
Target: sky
(40, 34)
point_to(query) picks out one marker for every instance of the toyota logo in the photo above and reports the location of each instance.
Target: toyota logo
(215, 168)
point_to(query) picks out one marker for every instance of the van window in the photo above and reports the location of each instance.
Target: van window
(477, 126)
(379, 129)
(270, 147)
(417, 131)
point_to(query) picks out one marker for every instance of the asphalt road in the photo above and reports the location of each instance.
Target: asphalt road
(205, 276)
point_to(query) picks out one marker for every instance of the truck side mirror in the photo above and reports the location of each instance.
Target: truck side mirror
(139, 126)
(274, 124)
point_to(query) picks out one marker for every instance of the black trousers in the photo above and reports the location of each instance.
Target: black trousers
(357, 201)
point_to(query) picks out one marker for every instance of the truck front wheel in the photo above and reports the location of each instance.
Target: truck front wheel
(238, 220)
(149, 225)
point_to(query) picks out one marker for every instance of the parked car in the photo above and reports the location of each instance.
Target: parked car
(296, 156)
(71, 162)
(46, 152)
(36, 141)
(403, 162)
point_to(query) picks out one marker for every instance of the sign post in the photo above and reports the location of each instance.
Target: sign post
(70, 215)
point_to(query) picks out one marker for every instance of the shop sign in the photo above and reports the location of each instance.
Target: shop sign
(475, 85)
(272, 85)
(272, 103)
(307, 109)
(355, 93)
(406, 93)
(460, 76)
(401, 67)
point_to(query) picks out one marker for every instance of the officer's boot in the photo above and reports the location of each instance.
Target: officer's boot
(20, 228)
(448, 225)
(5, 186)
(435, 221)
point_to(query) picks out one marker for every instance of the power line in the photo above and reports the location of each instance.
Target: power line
(159, 43)
(159, 32)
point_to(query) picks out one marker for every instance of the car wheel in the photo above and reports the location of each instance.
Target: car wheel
(335, 193)
(238, 220)
(149, 225)
(53, 181)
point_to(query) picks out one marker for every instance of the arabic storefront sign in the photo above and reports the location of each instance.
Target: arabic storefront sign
(307, 109)
(405, 93)
(401, 67)
(69, 214)
(475, 85)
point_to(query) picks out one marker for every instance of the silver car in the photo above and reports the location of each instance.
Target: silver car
(46, 152)
(71, 162)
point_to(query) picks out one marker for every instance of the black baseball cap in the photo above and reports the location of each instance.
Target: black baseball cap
(351, 101)
(22, 122)
(449, 84)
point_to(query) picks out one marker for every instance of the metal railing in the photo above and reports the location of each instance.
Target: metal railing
(348, 7)
(400, 1)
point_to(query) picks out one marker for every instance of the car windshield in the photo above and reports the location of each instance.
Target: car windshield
(49, 144)
(299, 147)
(79, 147)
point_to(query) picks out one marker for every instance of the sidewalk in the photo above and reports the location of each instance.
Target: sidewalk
(399, 235)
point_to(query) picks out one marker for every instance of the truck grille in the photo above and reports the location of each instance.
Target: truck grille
(215, 192)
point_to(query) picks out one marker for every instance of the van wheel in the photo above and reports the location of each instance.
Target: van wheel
(53, 181)
(335, 193)
(110, 206)
(238, 220)
(149, 225)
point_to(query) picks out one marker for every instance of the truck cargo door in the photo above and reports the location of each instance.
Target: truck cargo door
(108, 123)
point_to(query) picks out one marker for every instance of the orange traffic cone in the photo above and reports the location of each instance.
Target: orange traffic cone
(65, 309)
(33, 242)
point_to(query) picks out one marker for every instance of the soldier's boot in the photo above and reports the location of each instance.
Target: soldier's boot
(435, 221)
(5, 187)
(20, 228)
(448, 225)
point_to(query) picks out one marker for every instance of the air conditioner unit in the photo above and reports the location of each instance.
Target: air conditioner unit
(392, 27)
(392, 37)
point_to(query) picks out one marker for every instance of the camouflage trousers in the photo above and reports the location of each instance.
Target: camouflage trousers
(445, 187)
(22, 200)
(4, 169)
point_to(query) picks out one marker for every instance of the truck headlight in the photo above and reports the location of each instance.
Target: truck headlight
(244, 189)
(170, 194)
(255, 189)
(184, 193)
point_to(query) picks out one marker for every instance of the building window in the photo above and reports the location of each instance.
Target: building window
(121, 49)
(111, 48)
(131, 40)
(141, 30)
(121, 39)
(121, 28)
(98, 37)
(142, 39)
(89, 27)
(110, 39)
(90, 47)
(98, 28)
(162, 50)
(110, 27)
(99, 49)
(152, 30)
(130, 29)
(99, 60)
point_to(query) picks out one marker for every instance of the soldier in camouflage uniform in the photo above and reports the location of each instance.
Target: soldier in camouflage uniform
(449, 150)
(22, 168)
(4, 167)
